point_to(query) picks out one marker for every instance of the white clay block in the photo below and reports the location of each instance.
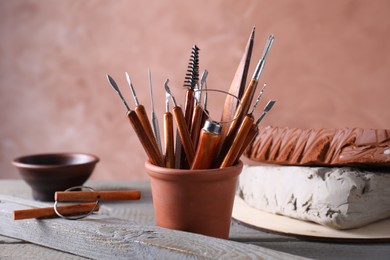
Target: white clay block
(340, 198)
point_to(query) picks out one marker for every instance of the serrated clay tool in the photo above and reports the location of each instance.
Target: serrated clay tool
(245, 102)
(153, 154)
(182, 129)
(142, 115)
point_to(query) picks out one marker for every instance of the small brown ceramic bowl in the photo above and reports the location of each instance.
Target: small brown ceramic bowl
(48, 173)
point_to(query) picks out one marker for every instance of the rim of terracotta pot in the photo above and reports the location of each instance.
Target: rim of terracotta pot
(210, 174)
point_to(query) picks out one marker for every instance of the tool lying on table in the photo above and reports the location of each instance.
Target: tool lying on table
(50, 212)
(76, 211)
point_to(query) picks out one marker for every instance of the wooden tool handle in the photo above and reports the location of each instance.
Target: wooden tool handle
(184, 134)
(169, 141)
(249, 138)
(63, 196)
(206, 151)
(238, 142)
(49, 212)
(189, 107)
(154, 154)
(196, 124)
(143, 117)
(239, 117)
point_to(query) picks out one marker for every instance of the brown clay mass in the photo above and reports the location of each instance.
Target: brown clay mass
(321, 147)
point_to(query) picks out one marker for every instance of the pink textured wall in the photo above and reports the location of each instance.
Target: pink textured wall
(329, 67)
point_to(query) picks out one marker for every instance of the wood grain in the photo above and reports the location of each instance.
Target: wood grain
(141, 212)
(102, 237)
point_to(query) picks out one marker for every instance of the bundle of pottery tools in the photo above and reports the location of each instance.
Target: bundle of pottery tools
(201, 142)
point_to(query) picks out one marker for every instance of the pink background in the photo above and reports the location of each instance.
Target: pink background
(329, 67)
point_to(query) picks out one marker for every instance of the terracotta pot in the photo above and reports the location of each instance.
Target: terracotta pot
(198, 201)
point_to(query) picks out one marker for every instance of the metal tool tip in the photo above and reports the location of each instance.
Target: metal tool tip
(271, 38)
(112, 82)
(166, 83)
(253, 32)
(269, 105)
(167, 87)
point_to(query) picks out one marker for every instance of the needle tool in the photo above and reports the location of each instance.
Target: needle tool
(142, 115)
(208, 145)
(198, 111)
(153, 154)
(155, 124)
(245, 102)
(240, 138)
(182, 128)
(255, 129)
(168, 133)
(238, 84)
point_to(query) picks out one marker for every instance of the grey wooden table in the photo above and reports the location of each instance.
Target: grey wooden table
(127, 230)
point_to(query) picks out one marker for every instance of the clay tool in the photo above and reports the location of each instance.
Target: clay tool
(210, 136)
(142, 115)
(238, 84)
(190, 81)
(153, 154)
(198, 111)
(155, 124)
(168, 133)
(182, 128)
(258, 98)
(254, 130)
(67, 196)
(245, 102)
(68, 210)
(241, 134)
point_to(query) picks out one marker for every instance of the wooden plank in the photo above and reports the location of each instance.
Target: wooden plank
(334, 251)
(103, 237)
(11, 248)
